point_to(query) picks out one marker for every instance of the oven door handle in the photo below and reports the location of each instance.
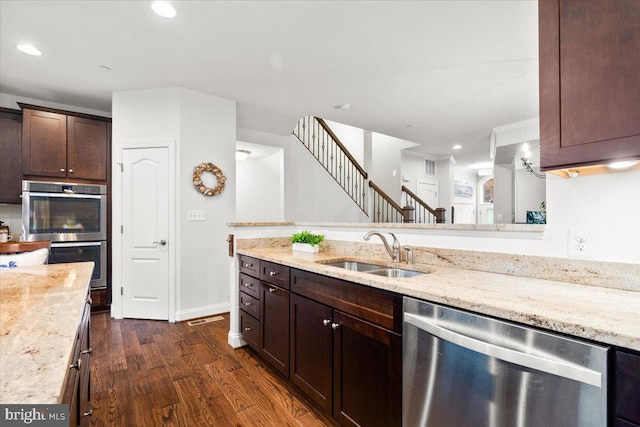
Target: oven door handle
(555, 367)
(27, 194)
(74, 244)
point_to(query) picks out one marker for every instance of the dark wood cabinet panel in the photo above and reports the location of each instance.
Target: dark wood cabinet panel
(367, 373)
(10, 160)
(250, 329)
(311, 349)
(628, 386)
(249, 266)
(275, 273)
(250, 285)
(86, 148)
(274, 319)
(250, 305)
(44, 143)
(589, 82)
(623, 423)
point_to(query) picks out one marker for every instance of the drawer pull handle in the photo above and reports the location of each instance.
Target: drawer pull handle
(326, 322)
(273, 273)
(335, 326)
(87, 351)
(247, 304)
(247, 329)
(88, 414)
(272, 290)
(248, 285)
(248, 265)
(76, 365)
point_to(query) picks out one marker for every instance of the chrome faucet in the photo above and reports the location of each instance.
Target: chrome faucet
(393, 253)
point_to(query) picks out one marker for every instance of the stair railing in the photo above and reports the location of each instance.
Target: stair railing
(325, 146)
(384, 208)
(423, 212)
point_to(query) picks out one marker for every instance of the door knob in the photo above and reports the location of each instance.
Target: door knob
(162, 242)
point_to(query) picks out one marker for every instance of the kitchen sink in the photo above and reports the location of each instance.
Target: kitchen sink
(395, 272)
(355, 266)
(378, 270)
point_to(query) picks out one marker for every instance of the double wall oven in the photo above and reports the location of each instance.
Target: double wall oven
(73, 217)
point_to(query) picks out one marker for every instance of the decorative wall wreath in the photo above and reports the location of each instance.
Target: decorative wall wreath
(197, 179)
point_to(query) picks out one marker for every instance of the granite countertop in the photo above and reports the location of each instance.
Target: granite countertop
(601, 314)
(40, 310)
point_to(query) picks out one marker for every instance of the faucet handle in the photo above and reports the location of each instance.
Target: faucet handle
(409, 254)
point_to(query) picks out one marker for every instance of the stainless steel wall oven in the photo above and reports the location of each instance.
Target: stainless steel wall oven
(74, 217)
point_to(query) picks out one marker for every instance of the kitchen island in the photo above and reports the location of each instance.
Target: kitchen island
(41, 310)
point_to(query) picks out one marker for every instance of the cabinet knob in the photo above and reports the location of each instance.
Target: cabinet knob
(88, 414)
(273, 273)
(335, 326)
(61, 169)
(247, 304)
(247, 265)
(70, 170)
(272, 290)
(248, 285)
(76, 365)
(87, 351)
(247, 329)
(326, 322)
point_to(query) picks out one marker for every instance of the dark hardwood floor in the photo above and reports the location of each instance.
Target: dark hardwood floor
(153, 373)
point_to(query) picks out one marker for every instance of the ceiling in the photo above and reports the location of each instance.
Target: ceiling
(438, 73)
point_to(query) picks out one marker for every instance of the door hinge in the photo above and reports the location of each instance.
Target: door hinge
(121, 166)
(122, 229)
(121, 290)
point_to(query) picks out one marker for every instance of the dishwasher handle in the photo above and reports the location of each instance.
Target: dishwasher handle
(562, 369)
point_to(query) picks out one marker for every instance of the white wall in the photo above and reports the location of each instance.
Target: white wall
(311, 194)
(386, 158)
(259, 189)
(444, 171)
(530, 192)
(503, 203)
(203, 128)
(351, 137)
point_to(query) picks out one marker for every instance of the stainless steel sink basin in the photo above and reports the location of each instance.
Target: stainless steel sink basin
(395, 272)
(355, 266)
(378, 270)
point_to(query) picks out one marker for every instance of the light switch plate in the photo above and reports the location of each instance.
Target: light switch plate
(196, 215)
(581, 242)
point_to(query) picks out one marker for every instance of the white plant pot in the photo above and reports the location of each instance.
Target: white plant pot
(306, 247)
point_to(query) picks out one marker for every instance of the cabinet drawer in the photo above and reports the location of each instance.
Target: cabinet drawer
(250, 285)
(374, 305)
(275, 274)
(250, 266)
(628, 386)
(250, 305)
(250, 329)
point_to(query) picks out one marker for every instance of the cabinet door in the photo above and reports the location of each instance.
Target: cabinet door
(274, 304)
(589, 82)
(311, 355)
(86, 148)
(44, 143)
(628, 386)
(366, 373)
(10, 160)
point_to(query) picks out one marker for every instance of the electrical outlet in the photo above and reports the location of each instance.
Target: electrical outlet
(581, 242)
(196, 215)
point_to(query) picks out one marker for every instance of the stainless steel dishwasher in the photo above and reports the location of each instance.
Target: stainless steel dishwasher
(462, 369)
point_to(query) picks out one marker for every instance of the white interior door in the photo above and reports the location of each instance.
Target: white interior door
(145, 221)
(428, 192)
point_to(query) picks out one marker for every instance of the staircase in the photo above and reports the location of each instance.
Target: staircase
(324, 145)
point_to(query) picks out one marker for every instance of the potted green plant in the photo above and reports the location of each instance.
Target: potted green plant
(305, 241)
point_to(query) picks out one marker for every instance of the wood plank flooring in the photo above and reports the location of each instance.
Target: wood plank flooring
(153, 373)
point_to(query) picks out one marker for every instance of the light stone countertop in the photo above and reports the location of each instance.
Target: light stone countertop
(607, 315)
(40, 311)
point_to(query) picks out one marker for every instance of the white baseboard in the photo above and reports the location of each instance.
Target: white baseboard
(235, 339)
(193, 313)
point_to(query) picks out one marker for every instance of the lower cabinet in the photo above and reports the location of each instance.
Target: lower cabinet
(627, 389)
(77, 386)
(274, 305)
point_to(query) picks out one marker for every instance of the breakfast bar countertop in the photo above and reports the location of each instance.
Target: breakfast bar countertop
(606, 315)
(40, 310)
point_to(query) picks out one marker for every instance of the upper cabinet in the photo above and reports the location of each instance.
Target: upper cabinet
(589, 82)
(62, 144)
(10, 163)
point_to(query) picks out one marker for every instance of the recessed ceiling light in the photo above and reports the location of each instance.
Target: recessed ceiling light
(241, 155)
(624, 164)
(343, 107)
(29, 50)
(457, 147)
(163, 8)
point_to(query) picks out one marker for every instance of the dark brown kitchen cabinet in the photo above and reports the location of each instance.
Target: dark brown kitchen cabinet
(341, 355)
(589, 82)
(274, 319)
(627, 388)
(76, 390)
(63, 144)
(10, 160)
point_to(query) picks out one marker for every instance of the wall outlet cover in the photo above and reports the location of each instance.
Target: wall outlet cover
(196, 215)
(581, 242)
